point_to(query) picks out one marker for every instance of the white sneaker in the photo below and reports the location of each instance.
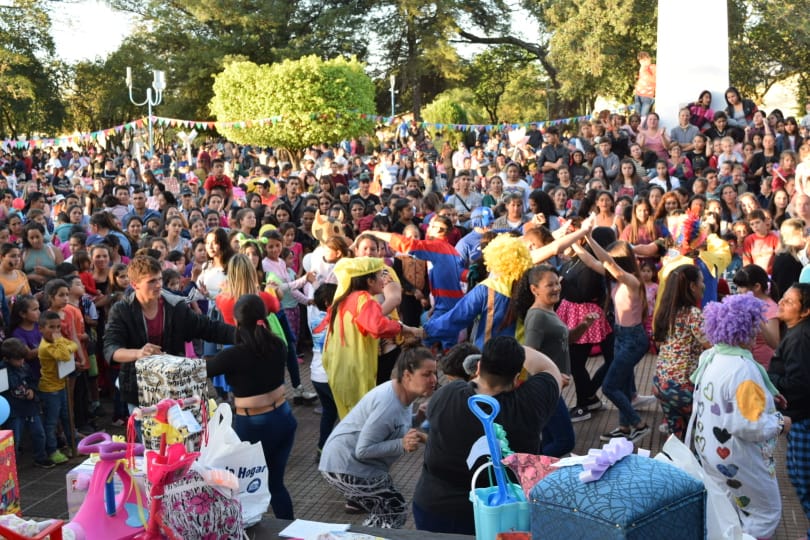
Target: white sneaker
(640, 400)
(301, 396)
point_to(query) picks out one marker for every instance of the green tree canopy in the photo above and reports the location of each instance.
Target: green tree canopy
(455, 106)
(490, 73)
(318, 101)
(769, 42)
(29, 78)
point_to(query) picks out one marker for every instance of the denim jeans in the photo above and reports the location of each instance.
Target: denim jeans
(643, 105)
(631, 344)
(119, 407)
(19, 424)
(276, 431)
(54, 405)
(329, 415)
(558, 435)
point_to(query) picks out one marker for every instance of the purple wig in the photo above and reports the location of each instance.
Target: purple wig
(734, 321)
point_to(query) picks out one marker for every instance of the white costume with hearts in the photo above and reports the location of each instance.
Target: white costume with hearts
(735, 432)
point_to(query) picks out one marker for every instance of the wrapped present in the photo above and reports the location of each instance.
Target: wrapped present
(636, 498)
(9, 485)
(78, 482)
(165, 376)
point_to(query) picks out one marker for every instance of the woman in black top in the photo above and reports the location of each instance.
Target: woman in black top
(254, 369)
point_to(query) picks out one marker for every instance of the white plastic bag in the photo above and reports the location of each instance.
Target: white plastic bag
(224, 450)
(722, 522)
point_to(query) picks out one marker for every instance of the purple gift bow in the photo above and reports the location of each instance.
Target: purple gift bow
(598, 461)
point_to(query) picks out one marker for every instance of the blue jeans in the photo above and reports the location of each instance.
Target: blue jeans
(329, 415)
(643, 105)
(558, 435)
(54, 405)
(18, 425)
(630, 346)
(276, 431)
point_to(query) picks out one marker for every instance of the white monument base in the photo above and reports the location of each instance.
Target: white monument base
(686, 63)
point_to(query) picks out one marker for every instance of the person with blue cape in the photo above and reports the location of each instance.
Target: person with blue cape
(487, 304)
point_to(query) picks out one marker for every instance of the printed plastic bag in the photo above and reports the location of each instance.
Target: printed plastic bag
(224, 450)
(193, 509)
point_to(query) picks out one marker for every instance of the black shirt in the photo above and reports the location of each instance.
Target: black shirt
(444, 484)
(246, 373)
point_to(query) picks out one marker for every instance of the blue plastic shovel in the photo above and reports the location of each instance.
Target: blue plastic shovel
(502, 495)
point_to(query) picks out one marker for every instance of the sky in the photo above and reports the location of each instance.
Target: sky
(87, 29)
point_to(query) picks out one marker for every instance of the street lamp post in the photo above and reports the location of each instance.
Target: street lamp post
(152, 100)
(393, 92)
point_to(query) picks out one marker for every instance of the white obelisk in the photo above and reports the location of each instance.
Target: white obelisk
(688, 63)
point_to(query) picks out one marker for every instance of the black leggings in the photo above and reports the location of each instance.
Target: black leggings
(586, 386)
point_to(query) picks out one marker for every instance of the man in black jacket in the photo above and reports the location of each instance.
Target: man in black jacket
(151, 321)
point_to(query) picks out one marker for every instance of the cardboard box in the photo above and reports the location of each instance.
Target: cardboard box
(78, 481)
(9, 484)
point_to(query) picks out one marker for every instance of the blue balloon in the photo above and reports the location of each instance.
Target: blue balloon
(5, 410)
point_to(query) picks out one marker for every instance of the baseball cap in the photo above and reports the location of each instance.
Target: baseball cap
(482, 217)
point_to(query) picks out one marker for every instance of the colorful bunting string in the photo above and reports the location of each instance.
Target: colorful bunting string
(209, 125)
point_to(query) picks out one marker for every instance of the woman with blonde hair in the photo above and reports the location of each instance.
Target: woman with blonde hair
(642, 228)
(241, 279)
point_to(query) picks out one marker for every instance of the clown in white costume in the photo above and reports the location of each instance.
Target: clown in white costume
(735, 418)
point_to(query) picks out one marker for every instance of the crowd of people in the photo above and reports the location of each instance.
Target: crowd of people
(498, 264)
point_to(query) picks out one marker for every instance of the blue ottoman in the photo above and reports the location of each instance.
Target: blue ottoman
(637, 498)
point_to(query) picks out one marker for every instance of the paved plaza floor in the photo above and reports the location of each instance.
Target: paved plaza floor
(43, 491)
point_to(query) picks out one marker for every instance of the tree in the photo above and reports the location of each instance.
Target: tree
(310, 101)
(527, 97)
(594, 46)
(491, 72)
(769, 42)
(192, 40)
(586, 47)
(416, 38)
(455, 106)
(29, 96)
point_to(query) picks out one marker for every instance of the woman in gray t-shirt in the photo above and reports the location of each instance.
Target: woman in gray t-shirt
(538, 293)
(358, 455)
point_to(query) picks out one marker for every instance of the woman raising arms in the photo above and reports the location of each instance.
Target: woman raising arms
(631, 343)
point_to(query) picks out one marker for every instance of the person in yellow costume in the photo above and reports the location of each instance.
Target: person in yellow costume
(355, 325)
(694, 244)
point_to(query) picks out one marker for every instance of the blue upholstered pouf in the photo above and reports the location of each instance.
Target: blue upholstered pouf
(637, 498)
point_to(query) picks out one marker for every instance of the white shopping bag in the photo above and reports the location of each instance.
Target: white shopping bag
(722, 522)
(224, 450)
